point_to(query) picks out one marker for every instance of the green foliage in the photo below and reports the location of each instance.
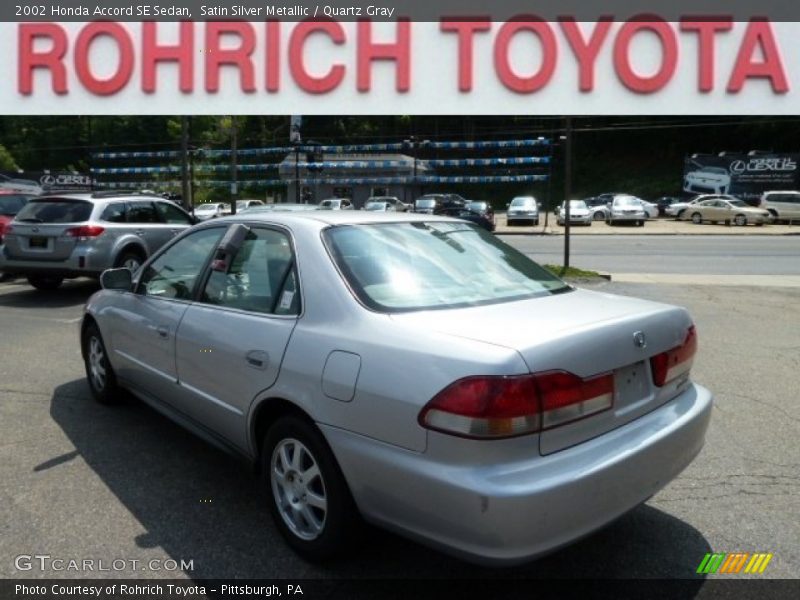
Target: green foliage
(7, 162)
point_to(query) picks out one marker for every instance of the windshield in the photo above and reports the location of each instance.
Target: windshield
(738, 203)
(55, 211)
(207, 208)
(11, 205)
(627, 201)
(426, 203)
(526, 202)
(478, 206)
(396, 267)
(577, 205)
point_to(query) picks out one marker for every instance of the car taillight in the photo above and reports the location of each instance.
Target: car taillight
(85, 231)
(675, 362)
(487, 407)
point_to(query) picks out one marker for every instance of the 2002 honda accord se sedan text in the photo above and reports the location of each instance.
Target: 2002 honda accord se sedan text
(412, 370)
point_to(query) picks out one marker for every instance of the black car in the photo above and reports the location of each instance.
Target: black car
(483, 208)
(468, 215)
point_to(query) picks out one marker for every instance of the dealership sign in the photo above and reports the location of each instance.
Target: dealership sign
(525, 65)
(741, 175)
(31, 182)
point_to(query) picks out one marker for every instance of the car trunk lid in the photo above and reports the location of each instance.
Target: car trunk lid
(584, 333)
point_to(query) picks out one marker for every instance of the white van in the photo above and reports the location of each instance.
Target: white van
(783, 205)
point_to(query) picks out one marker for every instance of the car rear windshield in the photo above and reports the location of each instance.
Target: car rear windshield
(398, 267)
(12, 204)
(523, 202)
(55, 210)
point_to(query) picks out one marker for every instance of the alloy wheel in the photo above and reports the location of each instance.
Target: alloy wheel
(299, 489)
(97, 366)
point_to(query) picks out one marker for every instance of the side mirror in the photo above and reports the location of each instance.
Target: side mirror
(228, 246)
(117, 279)
(508, 205)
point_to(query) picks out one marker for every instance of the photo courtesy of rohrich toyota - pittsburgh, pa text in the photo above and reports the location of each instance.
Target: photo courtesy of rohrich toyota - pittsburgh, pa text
(399, 300)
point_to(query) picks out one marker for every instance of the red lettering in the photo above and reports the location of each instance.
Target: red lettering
(153, 53)
(51, 59)
(121, 77)
(586, 51)
(759, 35)
(273, 74)
(466, 31)
(315, 84)
(502, 61)
(399, 51)
(706, 30)
(646, 84)
(239, 56)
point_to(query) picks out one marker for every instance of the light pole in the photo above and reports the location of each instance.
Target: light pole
(567, 186)
(413, 143)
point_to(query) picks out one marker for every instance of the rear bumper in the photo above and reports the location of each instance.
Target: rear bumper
(508, 513)
(91, 265)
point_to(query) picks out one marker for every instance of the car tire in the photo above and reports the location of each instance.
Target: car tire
(99, 374)
(130, 260)
(679, 214)
(45, 284)
(536, 223)
(332, 525)
(740, 220)
(697, 218)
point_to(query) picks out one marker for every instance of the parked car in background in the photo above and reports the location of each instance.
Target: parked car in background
(469, 215)
(579, 213)
(783, 206)
(280, 207)
(211, 210)
(484, 208)
(394, 201)
(523, 210)
(730, 212)
(626, 209)
(336, 204)
(428, 203)
(81, 235)
(598, 207)
(378, 206)
(677, 209)
(715, 180)
(665, 202)
(10, 204)
(20, 186)
(245, 204)
(650, 208)
(537, 412)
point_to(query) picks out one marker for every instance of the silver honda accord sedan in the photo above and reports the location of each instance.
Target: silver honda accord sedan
(411, 371)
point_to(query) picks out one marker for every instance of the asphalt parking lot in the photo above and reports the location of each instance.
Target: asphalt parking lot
(80, 480)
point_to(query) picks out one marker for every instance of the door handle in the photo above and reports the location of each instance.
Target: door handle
(163, 331)
(139, 232)
(257, 359)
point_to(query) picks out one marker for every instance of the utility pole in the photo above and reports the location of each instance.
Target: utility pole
(186, 191)
(234, 178)
(567, 185)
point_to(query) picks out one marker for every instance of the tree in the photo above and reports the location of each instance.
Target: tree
(7, 162)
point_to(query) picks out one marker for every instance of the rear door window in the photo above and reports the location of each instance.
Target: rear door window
(142, 212)
(55, 211)
(114, 213)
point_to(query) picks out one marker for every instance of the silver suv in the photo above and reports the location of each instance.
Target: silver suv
(76, 235)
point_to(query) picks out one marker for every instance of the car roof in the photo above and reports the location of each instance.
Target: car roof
(322, 219)
(97, 197)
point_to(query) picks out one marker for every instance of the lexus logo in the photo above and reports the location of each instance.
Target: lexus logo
(35, 230)
(639, 340)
